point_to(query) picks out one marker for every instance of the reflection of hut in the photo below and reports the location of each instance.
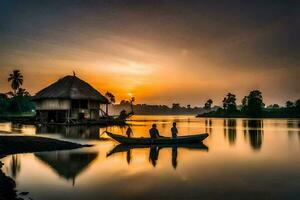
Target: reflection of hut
(80, 131)
(67, 164)
(69, 99)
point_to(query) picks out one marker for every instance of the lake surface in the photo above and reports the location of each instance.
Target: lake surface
(241, 159)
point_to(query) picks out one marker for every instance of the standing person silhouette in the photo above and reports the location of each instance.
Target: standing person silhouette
(174, 130)
(129, 132)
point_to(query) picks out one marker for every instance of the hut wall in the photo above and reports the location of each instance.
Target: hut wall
(80, 114)
(94, 110)
(53, 104)
(94, 114)
(94, 105)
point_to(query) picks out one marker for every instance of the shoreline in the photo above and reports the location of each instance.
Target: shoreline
(26, 144)
(29, 144)
(7, 186)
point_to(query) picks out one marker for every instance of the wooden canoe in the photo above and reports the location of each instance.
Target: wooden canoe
(162, 140)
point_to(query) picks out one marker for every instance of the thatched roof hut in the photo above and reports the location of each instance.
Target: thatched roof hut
(69, 99)
(70, 87)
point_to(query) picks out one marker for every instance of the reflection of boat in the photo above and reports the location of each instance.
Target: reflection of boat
(163, 140)
(124, 148)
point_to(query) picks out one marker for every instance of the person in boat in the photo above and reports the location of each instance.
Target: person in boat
(154, 132)
(129, 132)
(174, 130)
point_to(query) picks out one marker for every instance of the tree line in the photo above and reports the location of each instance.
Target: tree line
(146, 109)
(252, 106)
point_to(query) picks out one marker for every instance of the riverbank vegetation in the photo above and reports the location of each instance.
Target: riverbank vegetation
(16, 102)
(253, 105)
(146, 109)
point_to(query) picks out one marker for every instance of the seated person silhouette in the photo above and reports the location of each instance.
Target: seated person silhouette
(154, 132)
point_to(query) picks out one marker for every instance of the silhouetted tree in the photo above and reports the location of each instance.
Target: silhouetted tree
(124, 103)
(176, 106)
(22, 92)
(132, 99)
(3, 96)
(289, 104)
(16, 79)
(297, 106)
(4, 103)
(229, 103)
(273, 106)
(255, 103)
(19, 99)
(110, 97)
(208, 104)
(244, 103)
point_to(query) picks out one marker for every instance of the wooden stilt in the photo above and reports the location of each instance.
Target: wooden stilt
(106, 112)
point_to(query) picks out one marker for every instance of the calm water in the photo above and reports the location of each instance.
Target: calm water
(241, 159)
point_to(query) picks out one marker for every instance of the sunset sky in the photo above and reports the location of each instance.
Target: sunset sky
(161, 51)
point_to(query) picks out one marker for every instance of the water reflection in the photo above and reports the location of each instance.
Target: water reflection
(16, 128)
(230, 130)
(174, 157)
(154, 151)
(68, 164)
(293, 127)
(208, 126)
(76, 132)
(254, 131)
(153, 155)
(15, 165)
(290, 126)
(147, 172)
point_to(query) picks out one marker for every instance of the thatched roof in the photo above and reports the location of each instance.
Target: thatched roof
(70, 87)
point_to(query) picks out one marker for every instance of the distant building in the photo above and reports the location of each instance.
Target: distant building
(69, 99)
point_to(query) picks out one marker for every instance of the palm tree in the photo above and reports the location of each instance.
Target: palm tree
(110, 97)
(16, 79)
(132, 99)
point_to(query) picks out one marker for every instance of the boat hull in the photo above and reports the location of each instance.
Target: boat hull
(162, 140)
